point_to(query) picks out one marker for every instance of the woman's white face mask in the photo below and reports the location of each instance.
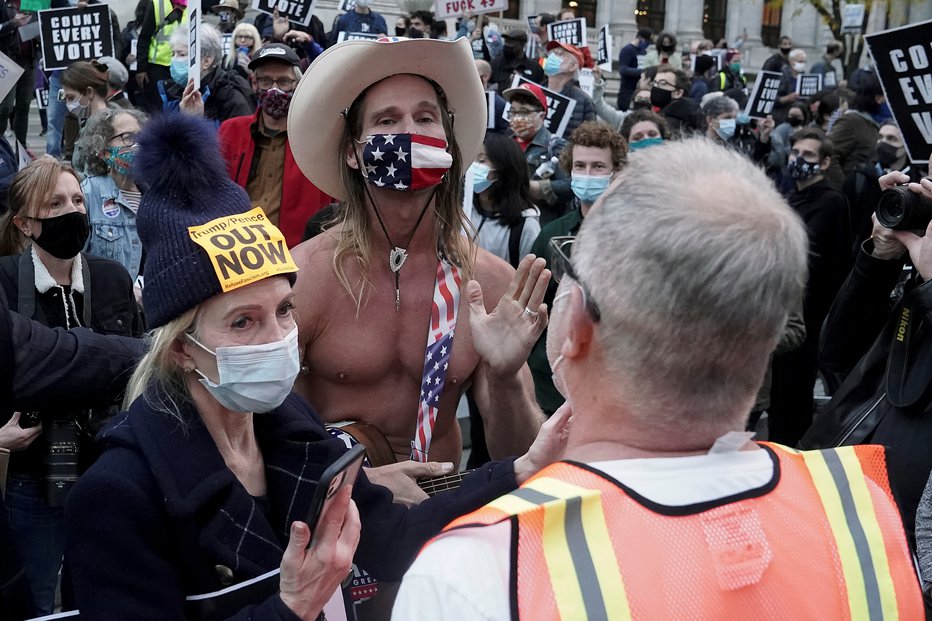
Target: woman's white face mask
(253, 378)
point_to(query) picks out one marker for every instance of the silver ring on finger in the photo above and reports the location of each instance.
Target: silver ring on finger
(530, 313)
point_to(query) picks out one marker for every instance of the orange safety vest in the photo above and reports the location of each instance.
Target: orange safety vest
(822, 540)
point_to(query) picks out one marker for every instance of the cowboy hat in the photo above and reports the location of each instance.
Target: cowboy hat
(340, 75)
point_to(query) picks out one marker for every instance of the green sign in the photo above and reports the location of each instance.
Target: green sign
(34, 5)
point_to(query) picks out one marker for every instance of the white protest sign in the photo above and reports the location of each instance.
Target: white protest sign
(346, 6)
(490, 105)
(445, 9)
(10, 73)
(194, 42)
(133, 46)
(852, 18)
(30, 31)
(587, 81)
(604, 54)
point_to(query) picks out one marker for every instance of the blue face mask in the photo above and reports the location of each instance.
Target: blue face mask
(726, 128)
(588, 188)
(179, 71)
(480, 177)
(646, 142)
(552, 64)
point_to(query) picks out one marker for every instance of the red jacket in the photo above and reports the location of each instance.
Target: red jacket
(300, 200)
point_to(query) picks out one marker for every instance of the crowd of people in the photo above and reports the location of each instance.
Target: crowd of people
(210, 293)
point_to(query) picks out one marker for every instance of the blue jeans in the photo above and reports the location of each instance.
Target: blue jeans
(56, 117)
(39, 531)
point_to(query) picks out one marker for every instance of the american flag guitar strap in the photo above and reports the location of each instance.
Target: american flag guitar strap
(443, 315)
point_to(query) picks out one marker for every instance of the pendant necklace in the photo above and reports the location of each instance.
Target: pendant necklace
(398, 254)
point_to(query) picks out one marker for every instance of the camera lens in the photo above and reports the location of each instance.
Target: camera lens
(900, 208)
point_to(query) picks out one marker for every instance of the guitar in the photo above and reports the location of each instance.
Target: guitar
(379, 453)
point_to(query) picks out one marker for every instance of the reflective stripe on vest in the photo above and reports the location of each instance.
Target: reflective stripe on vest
(823, 539)
(160, 48)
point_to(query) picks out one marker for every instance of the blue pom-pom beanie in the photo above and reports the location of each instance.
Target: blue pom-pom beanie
(185, 184)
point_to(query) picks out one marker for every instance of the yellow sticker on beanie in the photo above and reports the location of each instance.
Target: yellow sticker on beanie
(243, 248)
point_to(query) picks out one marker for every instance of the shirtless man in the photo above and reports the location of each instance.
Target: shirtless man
(362, 325)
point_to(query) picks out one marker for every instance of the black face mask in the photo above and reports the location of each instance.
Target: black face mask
(660, 97)
(785, 51)
(640, 104)
(63, 236)
(794, 121)
(400, 31)
(886, 154)
(667, 49)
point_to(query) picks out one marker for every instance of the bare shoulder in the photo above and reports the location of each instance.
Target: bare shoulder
(493, 275)
(314, 259)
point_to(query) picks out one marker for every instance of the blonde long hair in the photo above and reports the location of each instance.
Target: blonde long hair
(354, 240)
(157, 365)
(243, 28)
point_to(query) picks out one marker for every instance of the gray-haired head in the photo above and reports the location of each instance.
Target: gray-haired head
(97, 133)
(704, 268)
(717, 106)
(118, 75)
(211, 43)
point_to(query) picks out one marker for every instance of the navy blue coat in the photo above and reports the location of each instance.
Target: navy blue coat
(157, 514)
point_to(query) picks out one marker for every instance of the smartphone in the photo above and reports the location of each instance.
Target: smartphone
(341, 472)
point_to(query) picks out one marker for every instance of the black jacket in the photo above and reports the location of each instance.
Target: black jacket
(855, 347)
(107, 306)
(503, 69)
(159, 512)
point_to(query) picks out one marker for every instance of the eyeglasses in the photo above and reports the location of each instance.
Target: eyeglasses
(285, 84)
(561, 248)
(517, 114)
(664, 85)
(127, 139)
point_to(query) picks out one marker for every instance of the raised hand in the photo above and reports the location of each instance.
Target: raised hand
(505, 336)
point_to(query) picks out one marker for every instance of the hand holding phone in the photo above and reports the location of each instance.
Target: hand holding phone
(341, 473)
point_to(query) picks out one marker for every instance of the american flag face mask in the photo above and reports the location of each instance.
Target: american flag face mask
(405, 162)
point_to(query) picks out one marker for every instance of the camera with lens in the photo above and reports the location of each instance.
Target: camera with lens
(902, 209)
(62, 467)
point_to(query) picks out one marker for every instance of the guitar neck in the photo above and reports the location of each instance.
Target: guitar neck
(444, 483)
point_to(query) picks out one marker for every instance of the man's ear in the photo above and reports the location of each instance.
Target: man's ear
(825, 163)
(351, 160)
(578, 328)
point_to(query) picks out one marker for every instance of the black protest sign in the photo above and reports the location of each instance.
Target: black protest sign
(297, 11)
(764, 95)
(903, 57)
(559, 107)
(346, 6)
(70, 35)
(604, 53)
(572, 31)
(808, 84)
(42, 98)
(349, 36)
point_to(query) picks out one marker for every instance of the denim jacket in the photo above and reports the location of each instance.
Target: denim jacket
(113, 224)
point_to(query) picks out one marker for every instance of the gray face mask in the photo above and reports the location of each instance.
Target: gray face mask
(253, 378)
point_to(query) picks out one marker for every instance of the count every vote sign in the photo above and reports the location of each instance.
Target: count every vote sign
(73, 34)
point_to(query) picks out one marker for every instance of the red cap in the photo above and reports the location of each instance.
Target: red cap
(523, 90)
(572, 49)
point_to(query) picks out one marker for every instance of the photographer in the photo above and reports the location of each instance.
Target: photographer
(883, 397)
(51, 281)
